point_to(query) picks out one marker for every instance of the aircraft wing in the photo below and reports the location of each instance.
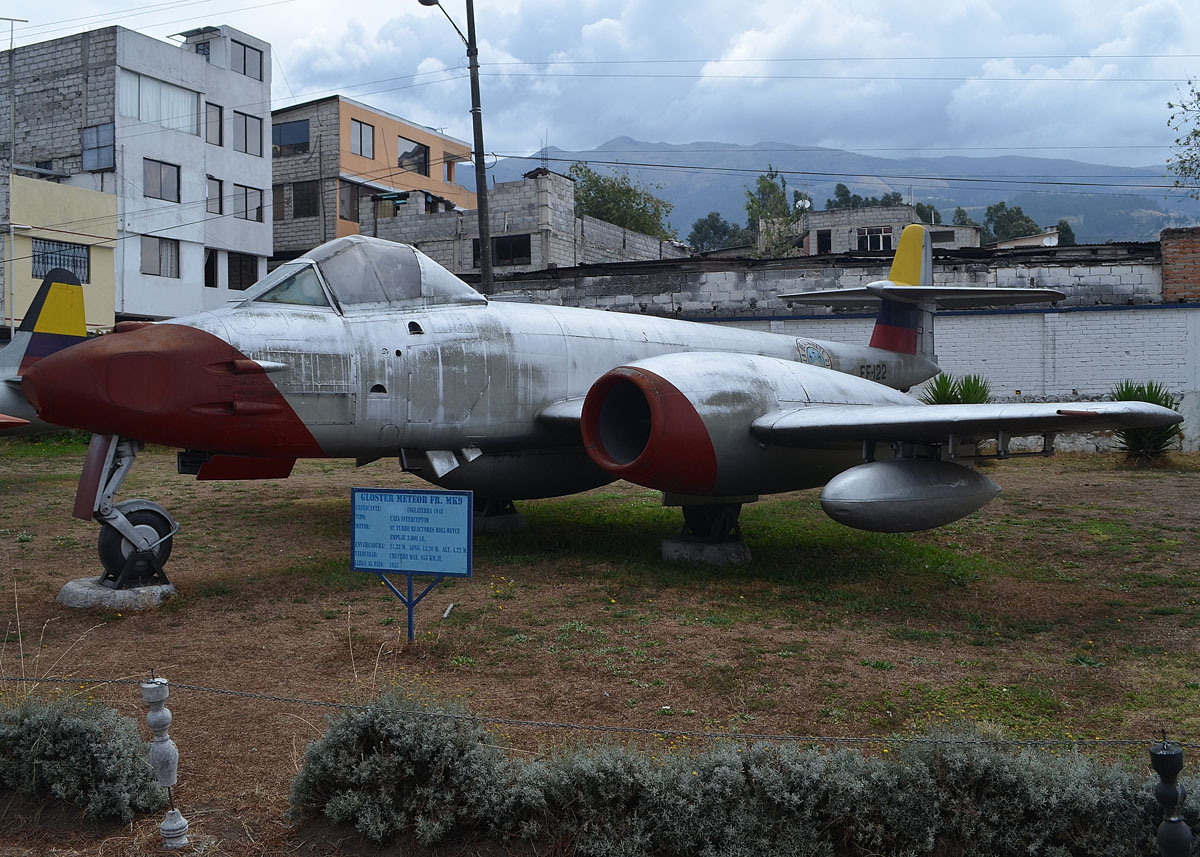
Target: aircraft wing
(820, 425)
(945, 297)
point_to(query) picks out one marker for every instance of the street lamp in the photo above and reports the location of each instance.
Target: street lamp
(485, 231)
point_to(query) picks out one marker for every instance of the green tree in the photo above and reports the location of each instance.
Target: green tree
(769, 209)
(1001, 223)
(961, 218)
(714, 232)
(842, 198)
(928, 213)
(1066, 235)
(1185, 122)
(617, 199)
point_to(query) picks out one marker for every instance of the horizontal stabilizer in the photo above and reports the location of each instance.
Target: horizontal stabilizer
(815, 425)
(944, 297)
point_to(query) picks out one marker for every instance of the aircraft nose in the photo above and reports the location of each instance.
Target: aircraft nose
(169, 384)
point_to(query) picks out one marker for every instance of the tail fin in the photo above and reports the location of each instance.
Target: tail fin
(54, 321)
(908, 299)
(900, 326)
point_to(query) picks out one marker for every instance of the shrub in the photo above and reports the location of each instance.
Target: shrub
(405, 764)
(1147, 446)
(945, 389)
(87, 755)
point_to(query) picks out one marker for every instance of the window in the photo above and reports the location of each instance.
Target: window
(203, 48)
(215, 191)
(289, 138)
(97, 145)
(149, 100)
(247, 134)
(160, 180)
(243, 271)
(941, 236)
(160, 256)
(824, 241)
(277, 202)
(246, 60)
(506, 250)
(48, 255)
(213, 124)
(348, 197)
(247, 203)
(412, 156)
(306, 199)
(210, 268)
(875, 238)
(362, 139)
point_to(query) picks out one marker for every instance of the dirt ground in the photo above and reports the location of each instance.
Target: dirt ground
(1066, 608)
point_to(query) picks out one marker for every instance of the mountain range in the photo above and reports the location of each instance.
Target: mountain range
(1101, 202)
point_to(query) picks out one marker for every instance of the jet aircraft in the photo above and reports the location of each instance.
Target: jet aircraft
(54, 321)
(365, 348)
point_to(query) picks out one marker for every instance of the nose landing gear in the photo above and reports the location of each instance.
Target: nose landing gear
(135, 535)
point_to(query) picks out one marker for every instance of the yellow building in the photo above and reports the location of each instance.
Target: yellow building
(46, 236)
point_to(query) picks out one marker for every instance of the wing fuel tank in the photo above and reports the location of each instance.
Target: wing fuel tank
(905, 495)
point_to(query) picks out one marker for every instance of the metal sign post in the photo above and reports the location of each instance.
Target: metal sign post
(411, 532)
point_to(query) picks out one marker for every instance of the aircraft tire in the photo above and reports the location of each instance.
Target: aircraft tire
(115, 549)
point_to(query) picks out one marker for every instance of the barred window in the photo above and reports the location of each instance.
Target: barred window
(48, 255)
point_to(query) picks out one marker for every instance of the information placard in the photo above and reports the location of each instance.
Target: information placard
(411, 531)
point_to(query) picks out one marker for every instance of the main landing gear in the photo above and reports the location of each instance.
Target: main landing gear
(135, 535)
(711, 533)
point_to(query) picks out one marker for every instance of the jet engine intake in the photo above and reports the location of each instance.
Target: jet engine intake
(680, 423)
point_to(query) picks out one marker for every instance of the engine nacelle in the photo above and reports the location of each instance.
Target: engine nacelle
(680, 423)
(905, 495)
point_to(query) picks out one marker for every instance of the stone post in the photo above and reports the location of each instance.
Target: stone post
(164, 758)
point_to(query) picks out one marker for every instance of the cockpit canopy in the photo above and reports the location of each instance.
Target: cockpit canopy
(364, 274)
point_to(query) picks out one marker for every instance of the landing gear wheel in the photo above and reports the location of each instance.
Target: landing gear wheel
(115, 549)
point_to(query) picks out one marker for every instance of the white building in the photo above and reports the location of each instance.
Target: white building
(178, 132)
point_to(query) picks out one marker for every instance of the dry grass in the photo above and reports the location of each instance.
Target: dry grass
(1068, 607)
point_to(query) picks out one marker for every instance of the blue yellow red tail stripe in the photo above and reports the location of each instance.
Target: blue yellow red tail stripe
(55, 318)
(897, 327)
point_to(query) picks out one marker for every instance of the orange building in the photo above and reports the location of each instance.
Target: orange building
(332, 154)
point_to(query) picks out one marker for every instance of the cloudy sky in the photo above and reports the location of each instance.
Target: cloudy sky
(1071, 78)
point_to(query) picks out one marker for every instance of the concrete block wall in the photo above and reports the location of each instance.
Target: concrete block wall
(320, 162)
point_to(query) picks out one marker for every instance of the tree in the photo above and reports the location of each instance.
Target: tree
(617, 199)
(769, 210)
(714, 232)
(928, 213)
(1066, 235)
(1185, 122)
(842, 198)
(1001, 223)
(961, 218)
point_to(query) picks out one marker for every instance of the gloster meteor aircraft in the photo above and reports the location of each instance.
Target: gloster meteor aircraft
(364, 349)
(54, 320)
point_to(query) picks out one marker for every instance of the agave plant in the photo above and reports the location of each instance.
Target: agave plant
(1147, 446)
(945, 389)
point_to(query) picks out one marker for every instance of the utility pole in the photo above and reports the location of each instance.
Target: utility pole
(11, 305)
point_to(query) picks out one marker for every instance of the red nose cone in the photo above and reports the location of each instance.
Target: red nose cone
(172, 385)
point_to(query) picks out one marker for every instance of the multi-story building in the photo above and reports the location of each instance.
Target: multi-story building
(175, 132)
(331, 154)
(533, 228)
(849, 230)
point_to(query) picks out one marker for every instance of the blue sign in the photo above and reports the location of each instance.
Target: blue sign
(411, 531)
